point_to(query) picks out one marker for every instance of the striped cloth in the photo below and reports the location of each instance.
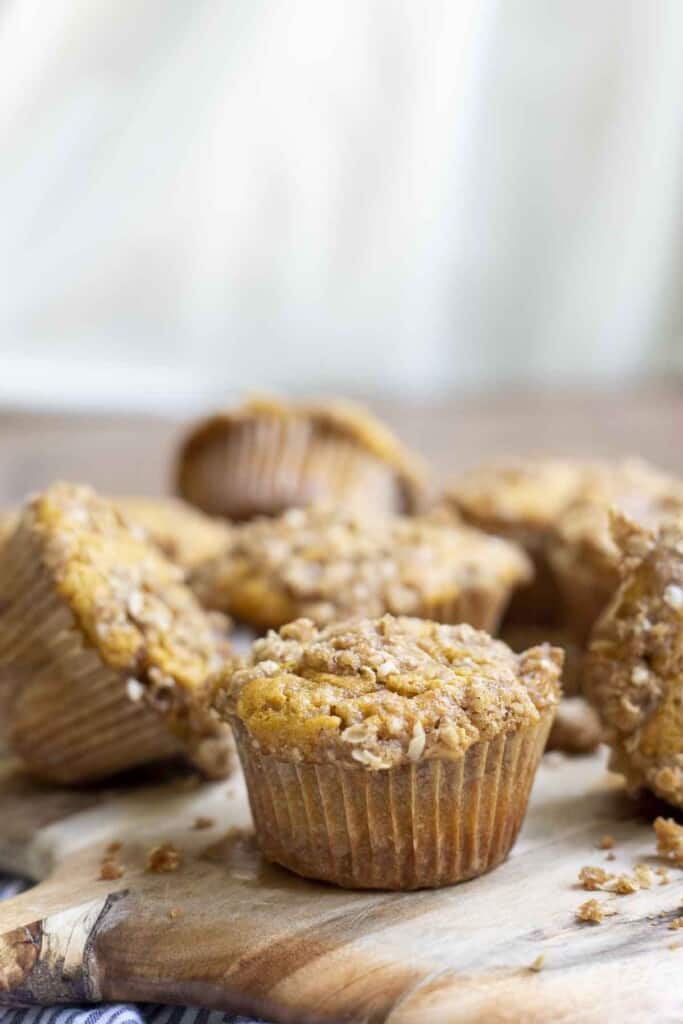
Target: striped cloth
(108, 1013)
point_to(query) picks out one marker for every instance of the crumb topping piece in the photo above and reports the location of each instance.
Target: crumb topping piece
(669, 840)
(635, 663)
(129, 600)
(380, 692)
(593, 912)
(163, 859)
(325, 564)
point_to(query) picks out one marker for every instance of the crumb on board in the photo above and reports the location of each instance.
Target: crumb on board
(593, 912)
(622, 885)
(606, 843)
(174, 913)
(644, 875)
(202, 821)
(110, 870)
(593, 878)
(611, 855)
(663, 876)
(537, 965)
(676, 924)
(114, 846)
(669, 839)
(163, 858)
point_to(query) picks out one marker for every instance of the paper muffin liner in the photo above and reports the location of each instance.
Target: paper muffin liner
(480, 606)
(268, 465)
(66, 714)
(420, 825)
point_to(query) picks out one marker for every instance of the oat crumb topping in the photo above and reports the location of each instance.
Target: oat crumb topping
(163, 858)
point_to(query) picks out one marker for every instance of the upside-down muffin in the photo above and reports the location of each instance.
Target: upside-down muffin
(269, 455)
(104, 652)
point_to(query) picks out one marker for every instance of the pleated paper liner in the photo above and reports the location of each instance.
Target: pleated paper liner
(64, 712)
(267, 465)
(420, 825)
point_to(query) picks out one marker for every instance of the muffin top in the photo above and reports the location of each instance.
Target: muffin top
(180, 531)
(634, 666)
(644, 493)
(529, 493)
(380, 692)
(334, 418)
(326, 564)
(128, 599)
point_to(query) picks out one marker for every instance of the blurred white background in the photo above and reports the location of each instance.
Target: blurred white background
(379, 198)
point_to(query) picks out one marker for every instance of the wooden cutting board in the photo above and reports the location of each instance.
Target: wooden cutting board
(228, 930)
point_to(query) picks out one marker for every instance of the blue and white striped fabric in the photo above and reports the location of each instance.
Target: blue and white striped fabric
(109, 1013)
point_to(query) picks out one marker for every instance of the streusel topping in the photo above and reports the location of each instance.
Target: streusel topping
(634, 667)
(531, 492)
(180, 531)
(129, 600)
(637, 490)
(381, 692)
(325, 564)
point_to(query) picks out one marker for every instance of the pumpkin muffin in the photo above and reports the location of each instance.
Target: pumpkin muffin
(323, 564)
(267, 456)
(104, 652)
(523, 500)
(390, 753)
(634, 665)
(583, 554)
(181, 532)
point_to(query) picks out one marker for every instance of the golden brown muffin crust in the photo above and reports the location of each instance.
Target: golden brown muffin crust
(324, 564)
(634, 667)
(129, 600)
(180, 531)
(377, 693)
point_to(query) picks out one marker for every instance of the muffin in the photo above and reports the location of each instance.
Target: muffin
(104, 652)
(523, 501)
(583, 555)
(634, 664)
(323, 564)
(390, 753)
(181, 532)
(267, 456)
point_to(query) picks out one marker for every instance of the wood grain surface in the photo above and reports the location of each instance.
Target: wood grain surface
(229, 930)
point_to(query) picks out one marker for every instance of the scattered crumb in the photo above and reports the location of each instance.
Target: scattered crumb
(537, 965)
(163, 858)
(611, 855)
(593, 912)
(674, 945)
(110, 869)
(606, 843)
(593, 878)
(676, 924)
(623, 885)
(644, 875)
(663, 876)
(238, 832)
(203, 822)
(174, 913)
(114, 847)
(669, 839)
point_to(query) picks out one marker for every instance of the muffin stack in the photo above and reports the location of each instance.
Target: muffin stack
(387, 740)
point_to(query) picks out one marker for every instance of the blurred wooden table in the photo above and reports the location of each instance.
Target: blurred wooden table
(135, 454)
